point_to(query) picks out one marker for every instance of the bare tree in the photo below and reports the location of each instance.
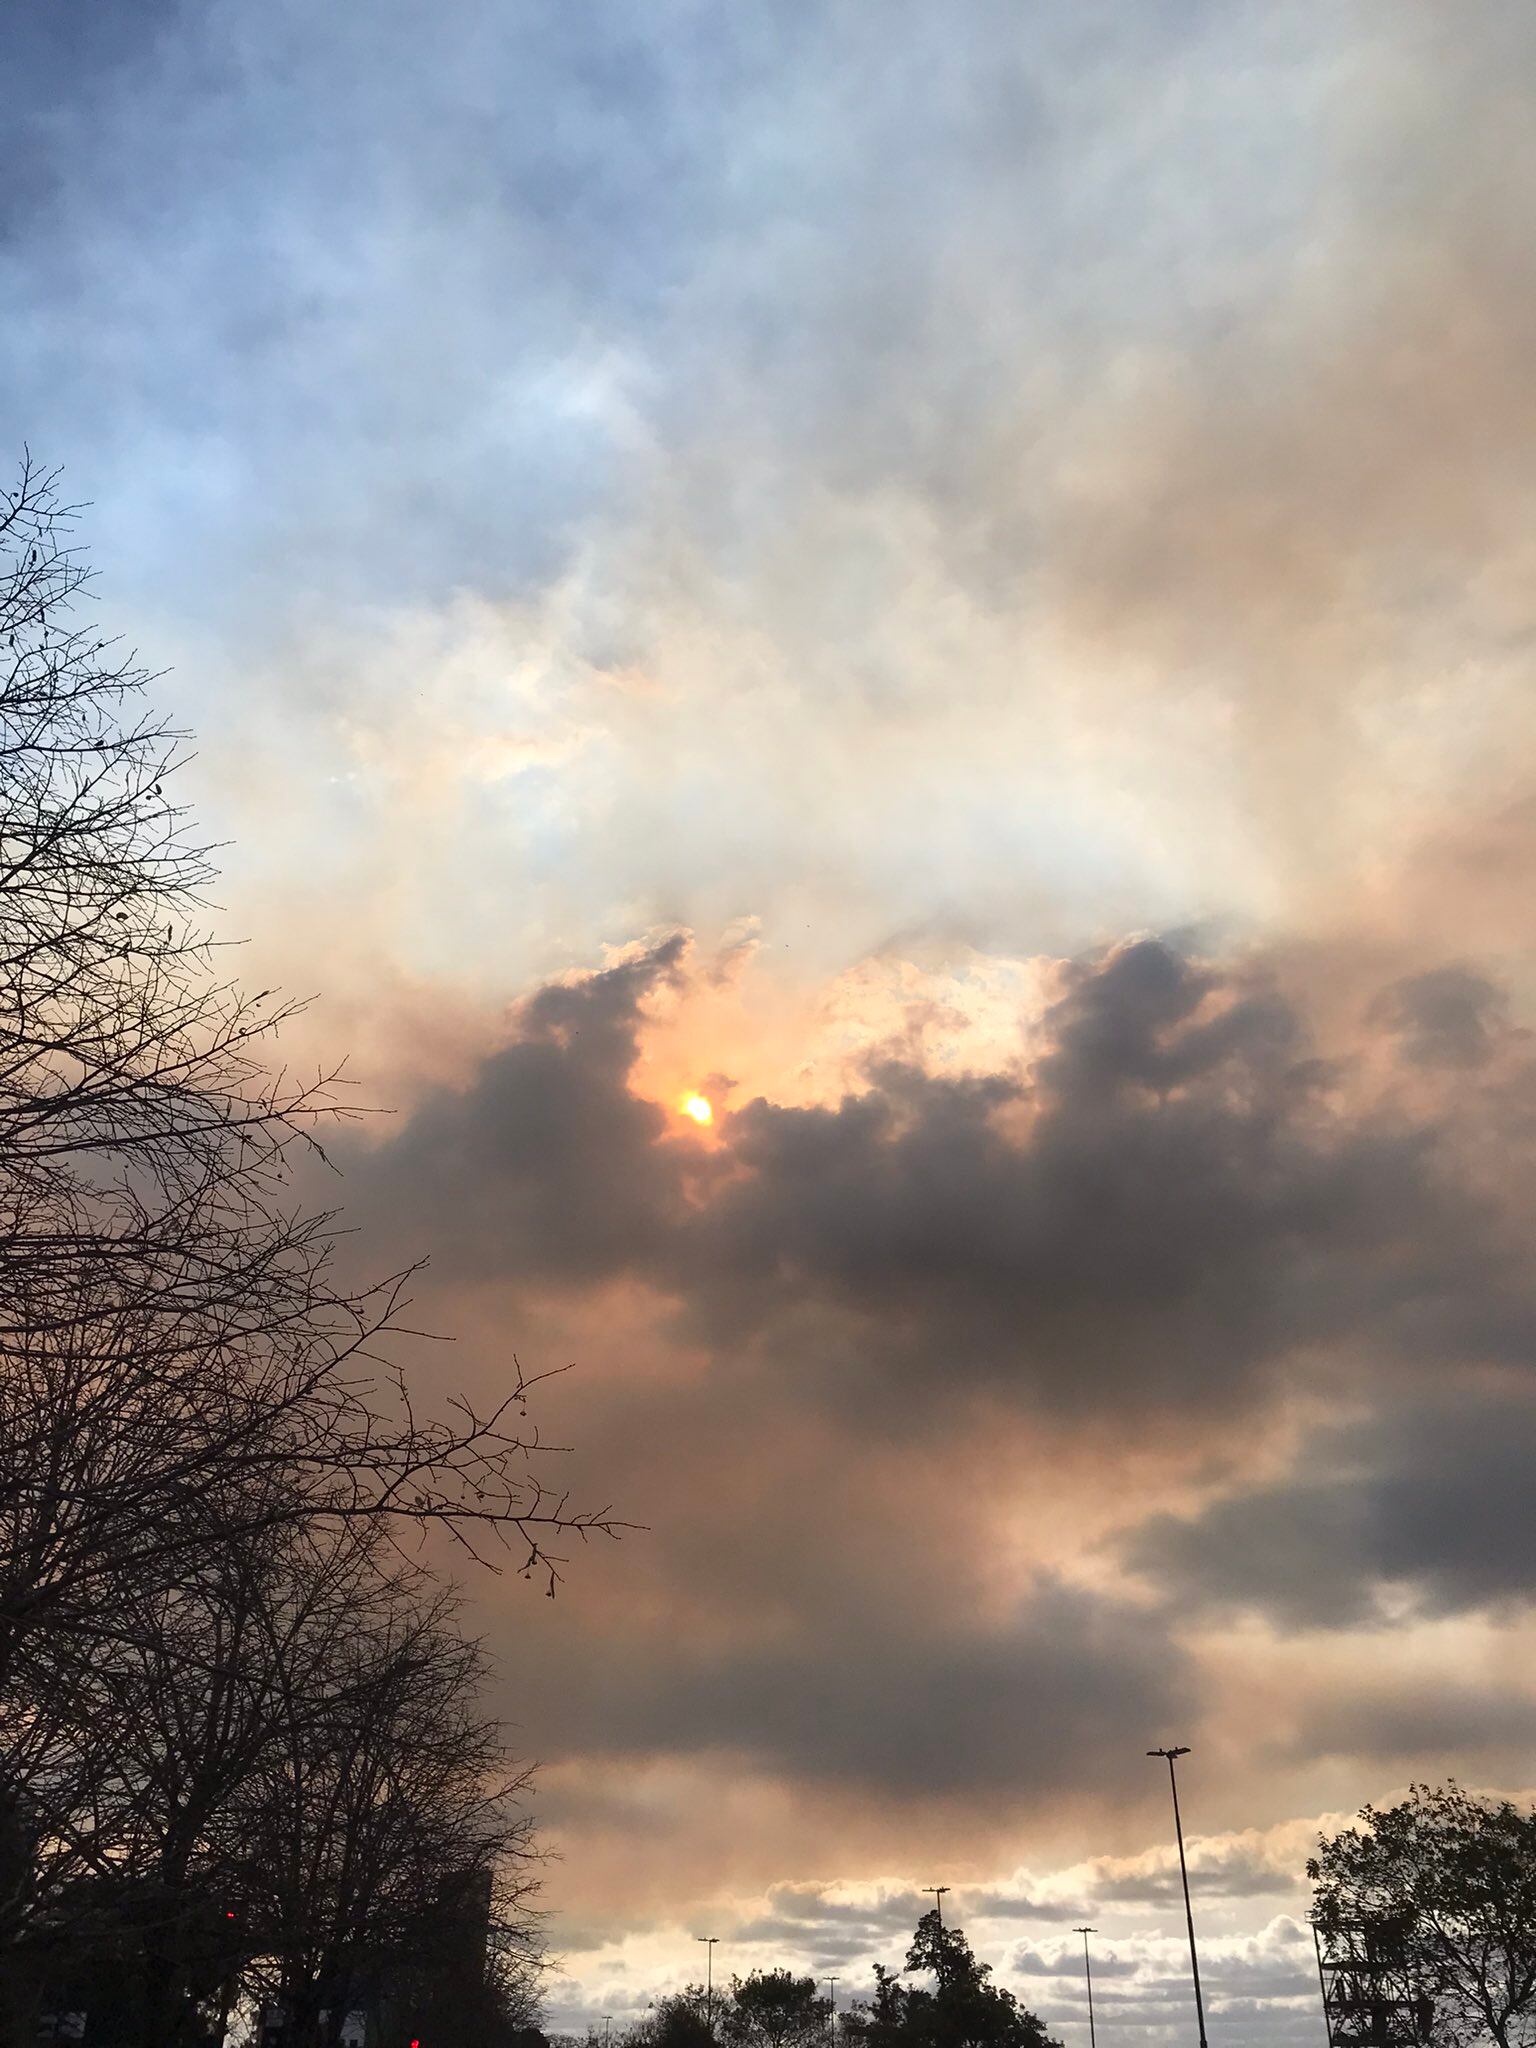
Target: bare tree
(160, 1727)
(150, 1256)
(369, 1816)
(207, 1438)
(274, 1777)
(116, 1040)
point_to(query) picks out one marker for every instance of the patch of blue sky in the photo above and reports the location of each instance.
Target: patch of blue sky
(337, 245)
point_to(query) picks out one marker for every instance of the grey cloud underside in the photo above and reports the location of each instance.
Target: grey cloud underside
(984, 1905)
(800, 1916)
(917, 1704)
(1429, 1502)
(1158, 1211)
(547, 1167)
(1224, 1869)
(1445, 1017)
(832, 1931)
(1427, 1728)
(1029, 1962)
(1161, 1208)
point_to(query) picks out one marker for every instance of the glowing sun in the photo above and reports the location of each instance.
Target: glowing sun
(699, 1107)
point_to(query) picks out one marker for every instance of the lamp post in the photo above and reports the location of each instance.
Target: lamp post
(1093, 2039)
(1182, 1749)
(938, 1891)
(709, 1941)
(832, 1984)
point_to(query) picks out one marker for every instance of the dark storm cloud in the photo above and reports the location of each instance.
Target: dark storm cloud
(1175, 1205)
(547, 1166)
(1154, 1209)
(1445, 1017)
(1173, 1197)
(916, 1703)
(1432, 1502)
(1424, 1728)
(1160, 1207)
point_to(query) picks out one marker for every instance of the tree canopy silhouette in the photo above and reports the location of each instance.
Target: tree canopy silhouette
(774, 2009)
(241, 1750)
(961, 2009)
(684, 2019)
(1447, 1882)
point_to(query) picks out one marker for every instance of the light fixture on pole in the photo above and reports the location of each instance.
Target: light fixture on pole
(709, 1941)
(938, 1891)
(1182, 1749)
(1093, 2041)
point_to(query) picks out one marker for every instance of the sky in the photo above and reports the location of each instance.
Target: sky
(959, 582)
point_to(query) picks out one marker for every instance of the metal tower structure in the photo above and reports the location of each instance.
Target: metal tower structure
(1370, 1998)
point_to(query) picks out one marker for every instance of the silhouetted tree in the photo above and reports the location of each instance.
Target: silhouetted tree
(879, 2023)
(684, 2019)
(964, 2009)
(169, 1322)
(185, 1706)
(195, 1411)
(383, 1787)
(1450, 1880)
(774, 2009)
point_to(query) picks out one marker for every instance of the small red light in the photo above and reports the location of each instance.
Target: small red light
(229, 1916)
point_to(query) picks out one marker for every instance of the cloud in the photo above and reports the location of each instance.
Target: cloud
(857, 1337)
(1009, 1905)
(1165, 1201)
(1028, 1961)
(914, 1707)
(1003, 565)
(1428, 1725)
(547, 1163)
(1423, 1501)
(904, 480)
(1221, 1866)
(1142, 1981)
(1445, 1017)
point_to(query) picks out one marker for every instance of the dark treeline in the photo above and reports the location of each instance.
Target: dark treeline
(958, 2007)
(242, 1755)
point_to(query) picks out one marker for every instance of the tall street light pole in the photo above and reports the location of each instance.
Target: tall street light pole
(709, 1941)
(832, 1984)
(1093, 2039)
(938, 1891)
(1182, 1749)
